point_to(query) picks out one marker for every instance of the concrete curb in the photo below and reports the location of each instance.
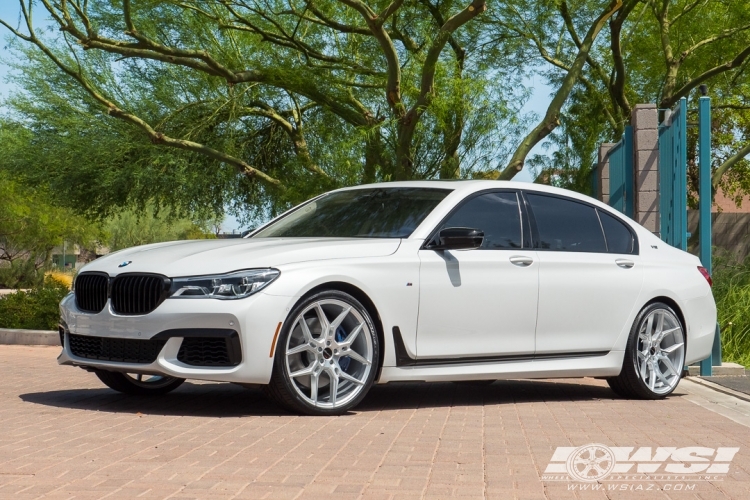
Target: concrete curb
(723, 370)
(720, 388)
(10, 336)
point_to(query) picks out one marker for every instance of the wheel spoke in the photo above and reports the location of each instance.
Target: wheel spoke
(661, 376)
(305, 329)
(298, 349)
(672, 348)
(668, 363)
(643, 365)
(314, 378)
(322, 318)
(304, 371)
(340, 319)
(660, 326)
(352, 335)
(333, 386)
(651, 377)
(649, 326)
(664, 333)
(357, 357)
(348, 377)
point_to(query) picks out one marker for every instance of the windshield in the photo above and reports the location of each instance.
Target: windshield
(359, 213)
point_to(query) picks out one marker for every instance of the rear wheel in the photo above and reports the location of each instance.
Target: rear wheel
(138, 384)
(327, 356)
(654, 356)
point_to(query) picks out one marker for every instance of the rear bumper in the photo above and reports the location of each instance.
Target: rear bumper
(700, 315)
(256, 320)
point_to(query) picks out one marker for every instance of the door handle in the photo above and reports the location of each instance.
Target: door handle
(624, 263)
(521, 261)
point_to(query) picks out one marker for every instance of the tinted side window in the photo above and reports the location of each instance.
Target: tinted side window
(496, 214)
(619, 237)
(565, 225)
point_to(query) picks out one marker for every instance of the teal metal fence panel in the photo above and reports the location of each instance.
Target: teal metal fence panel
(705, 200)
(673, 176)
(621, 183)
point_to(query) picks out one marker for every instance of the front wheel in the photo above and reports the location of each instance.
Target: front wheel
(327, 355)
(138, 384)
(654, 356)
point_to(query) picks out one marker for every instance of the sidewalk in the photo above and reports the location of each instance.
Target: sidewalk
(64, 435)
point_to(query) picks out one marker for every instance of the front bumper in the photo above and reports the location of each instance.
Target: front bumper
(256, 319)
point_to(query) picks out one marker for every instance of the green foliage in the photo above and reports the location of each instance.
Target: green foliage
(253, 106)
(36, 309)
(21, 273)
(130, 228)
(300, 99)
(732, 293)
(30, 227)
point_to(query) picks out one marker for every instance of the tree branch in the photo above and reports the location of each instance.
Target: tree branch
(683, 91)
(393, 85)
(552, 117)
(729, 163)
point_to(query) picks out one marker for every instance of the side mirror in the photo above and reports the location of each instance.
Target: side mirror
(458, 238)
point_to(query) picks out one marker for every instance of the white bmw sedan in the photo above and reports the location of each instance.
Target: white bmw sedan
(404, 281)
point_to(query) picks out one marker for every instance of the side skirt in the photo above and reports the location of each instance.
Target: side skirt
(404, 359)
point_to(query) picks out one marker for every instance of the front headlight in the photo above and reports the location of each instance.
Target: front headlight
(236, 285)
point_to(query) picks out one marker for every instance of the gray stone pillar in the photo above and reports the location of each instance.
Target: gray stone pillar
(602, 172)
(646, 166)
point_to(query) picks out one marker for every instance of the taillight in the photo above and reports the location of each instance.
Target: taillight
(705, 274)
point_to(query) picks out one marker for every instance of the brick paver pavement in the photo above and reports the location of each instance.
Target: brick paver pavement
(63, 435)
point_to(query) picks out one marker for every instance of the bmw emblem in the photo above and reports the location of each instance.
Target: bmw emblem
(125, 263)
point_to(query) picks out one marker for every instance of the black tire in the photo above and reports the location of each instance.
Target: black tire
(287, 392)
(629, 383)
(122, 382)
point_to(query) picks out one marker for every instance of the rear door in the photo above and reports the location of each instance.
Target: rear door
(590, 275)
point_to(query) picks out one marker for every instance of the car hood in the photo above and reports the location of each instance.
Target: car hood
(199, 257)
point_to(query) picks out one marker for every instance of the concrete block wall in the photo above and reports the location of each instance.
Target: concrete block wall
(646, 166)
(602, 172)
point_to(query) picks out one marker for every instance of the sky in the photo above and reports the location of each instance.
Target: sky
(537, 103)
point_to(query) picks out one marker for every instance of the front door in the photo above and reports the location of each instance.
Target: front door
(482, 302)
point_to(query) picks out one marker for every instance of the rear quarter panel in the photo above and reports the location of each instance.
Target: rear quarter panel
(672, 273)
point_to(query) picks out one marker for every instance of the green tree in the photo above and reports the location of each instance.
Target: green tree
(281, 99)
(130, 228)
(30, 228)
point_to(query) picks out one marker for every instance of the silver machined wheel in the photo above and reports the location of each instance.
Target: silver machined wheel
(329, 353)
(660, 352)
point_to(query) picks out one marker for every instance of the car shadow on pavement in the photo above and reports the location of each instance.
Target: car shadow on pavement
(229, 400)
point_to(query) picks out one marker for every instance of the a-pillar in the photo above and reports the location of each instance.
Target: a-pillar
(646, 166)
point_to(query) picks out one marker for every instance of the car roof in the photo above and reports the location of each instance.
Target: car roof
(469, 186)
(462, 188)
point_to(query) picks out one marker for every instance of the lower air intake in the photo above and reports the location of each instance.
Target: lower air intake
(112, 349)
(210, 351)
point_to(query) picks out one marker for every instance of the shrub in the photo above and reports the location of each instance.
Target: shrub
(36, 309)
(22, 273)
(732, 293)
